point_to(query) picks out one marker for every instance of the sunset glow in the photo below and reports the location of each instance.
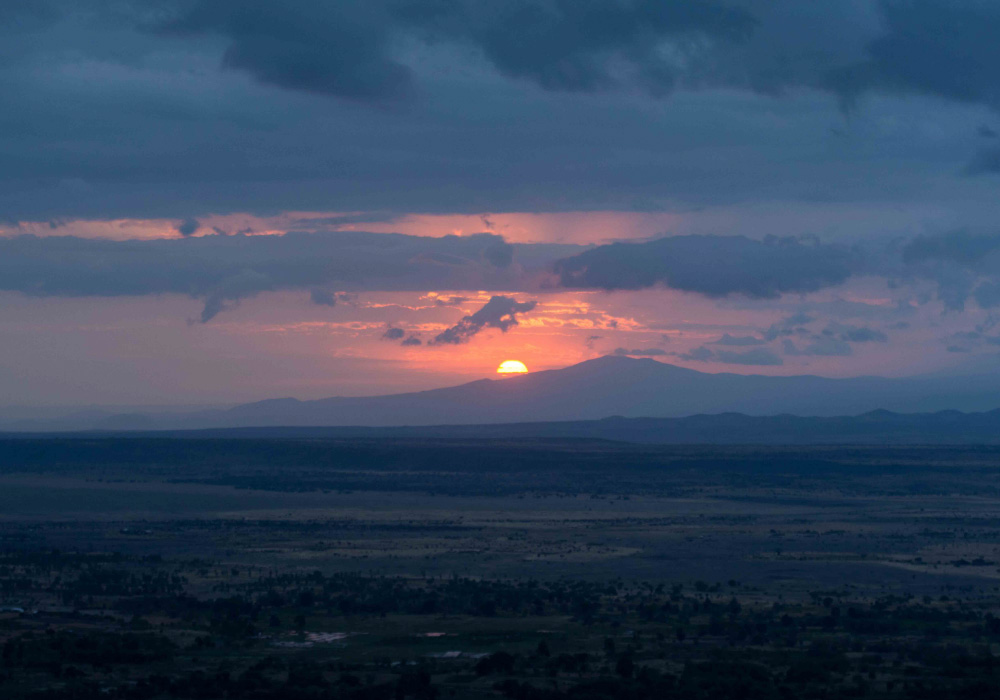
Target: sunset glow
(716, 211)
(511, 367)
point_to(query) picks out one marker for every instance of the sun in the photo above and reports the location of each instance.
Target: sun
(508, 367)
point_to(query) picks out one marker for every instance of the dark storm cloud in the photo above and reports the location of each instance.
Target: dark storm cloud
(499, 253)
(581, 45)
(757, 356)
(715, 266)
(345, 49)
(188, 227)
(331, 48)
(641, 352)
(323, 297)
(945, 48)
(222, 270)
(499, 312)
(522, 105)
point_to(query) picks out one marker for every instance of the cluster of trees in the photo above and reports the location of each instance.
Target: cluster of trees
(53, 649)
(634, 640)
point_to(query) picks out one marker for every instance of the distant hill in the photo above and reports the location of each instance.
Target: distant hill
(873, 428)
(592, 390)
(610, 386)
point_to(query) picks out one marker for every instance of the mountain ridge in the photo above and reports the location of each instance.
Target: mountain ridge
(589, 391)
(874, 427)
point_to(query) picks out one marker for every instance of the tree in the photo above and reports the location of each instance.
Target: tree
(625, 666)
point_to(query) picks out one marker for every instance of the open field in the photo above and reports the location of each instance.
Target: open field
(483, 569)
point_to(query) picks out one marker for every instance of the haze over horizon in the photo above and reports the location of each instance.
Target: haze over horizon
(213, 202)
(965, 409)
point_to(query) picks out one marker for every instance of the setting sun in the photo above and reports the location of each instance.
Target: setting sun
(511, 367)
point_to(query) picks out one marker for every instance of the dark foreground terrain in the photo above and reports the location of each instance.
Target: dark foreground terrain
(157, 568)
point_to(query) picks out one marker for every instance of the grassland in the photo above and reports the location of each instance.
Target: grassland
(434, 568)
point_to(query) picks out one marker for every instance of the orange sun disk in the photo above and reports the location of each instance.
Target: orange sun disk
(511, 367)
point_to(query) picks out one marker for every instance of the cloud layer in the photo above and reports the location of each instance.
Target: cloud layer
(222, 270)
(715, 266)
(182, 108)
(349, 50)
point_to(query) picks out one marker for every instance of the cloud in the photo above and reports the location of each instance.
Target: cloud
(715, 266)
(499, 312)
(349, 50)
(944, 48)
(185, 138)
(962, 264)
(331, 48)
(700, 354)
(790, 325)
(188, 227)
(833, 341)
(825, 347)
(738, 340)
(499, 253)
(985, 162)
(962, 247)
(323, 297)
(987, 294)
(584, 46)
(228, 293)
(757, 356)
(854, 334)
(340, 221)
(965, 342)
(222, 270)
(392, 333)
(450, 301)
(641, 352)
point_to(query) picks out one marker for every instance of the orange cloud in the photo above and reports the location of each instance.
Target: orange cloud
(577, 227)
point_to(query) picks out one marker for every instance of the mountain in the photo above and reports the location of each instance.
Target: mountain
(872, 428)
(608, 386)
(592, 390)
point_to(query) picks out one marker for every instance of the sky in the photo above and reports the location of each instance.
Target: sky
(217, 201)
